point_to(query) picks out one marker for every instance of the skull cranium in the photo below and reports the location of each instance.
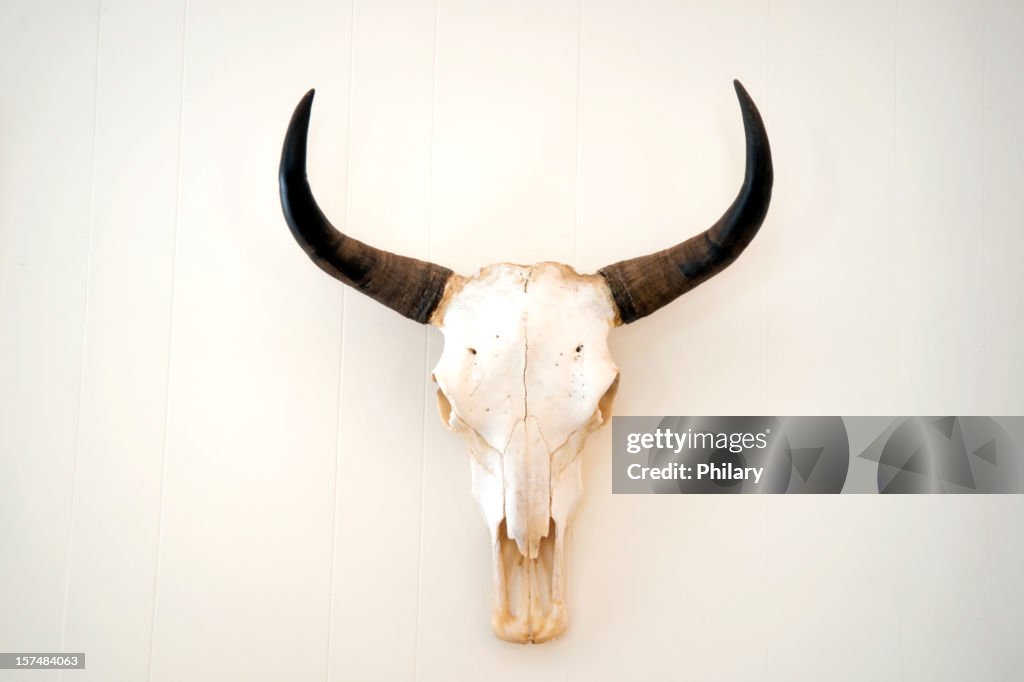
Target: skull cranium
(526, 375)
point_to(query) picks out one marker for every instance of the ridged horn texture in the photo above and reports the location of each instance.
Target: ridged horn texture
(408, 286)
(642, 285)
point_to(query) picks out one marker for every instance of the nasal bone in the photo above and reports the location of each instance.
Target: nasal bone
(527, 472)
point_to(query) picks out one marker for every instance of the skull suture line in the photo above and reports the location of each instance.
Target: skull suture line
(526, 375)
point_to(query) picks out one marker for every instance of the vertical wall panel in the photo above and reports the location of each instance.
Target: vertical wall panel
(121, 439)
(944, 565)
(1001, 236)
(1003, 568)
(833, 319)
(833, 588)
(939, 61)
(377, 540)
(47, 66)
(243, 578)
(504, 175)
(1002, 362)
(505, 133)
(938, 217)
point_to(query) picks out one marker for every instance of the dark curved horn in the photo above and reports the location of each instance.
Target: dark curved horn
(642, 285)
(408, 286)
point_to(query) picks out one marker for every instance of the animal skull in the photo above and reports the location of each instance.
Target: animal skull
(526, 375)
(524, 378)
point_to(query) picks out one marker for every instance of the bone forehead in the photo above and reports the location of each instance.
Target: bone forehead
(526, 340)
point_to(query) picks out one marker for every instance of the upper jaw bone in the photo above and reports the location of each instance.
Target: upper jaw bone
(529, 593)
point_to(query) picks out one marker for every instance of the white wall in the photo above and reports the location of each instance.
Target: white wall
(216, 463)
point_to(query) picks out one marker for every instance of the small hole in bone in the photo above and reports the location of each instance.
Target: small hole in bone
(472, 350)
(579, 348)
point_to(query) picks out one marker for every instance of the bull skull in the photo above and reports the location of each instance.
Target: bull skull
(526, 375)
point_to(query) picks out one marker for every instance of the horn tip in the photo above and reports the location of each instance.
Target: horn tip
(300, 118)
(741, 91)
(306, 103)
